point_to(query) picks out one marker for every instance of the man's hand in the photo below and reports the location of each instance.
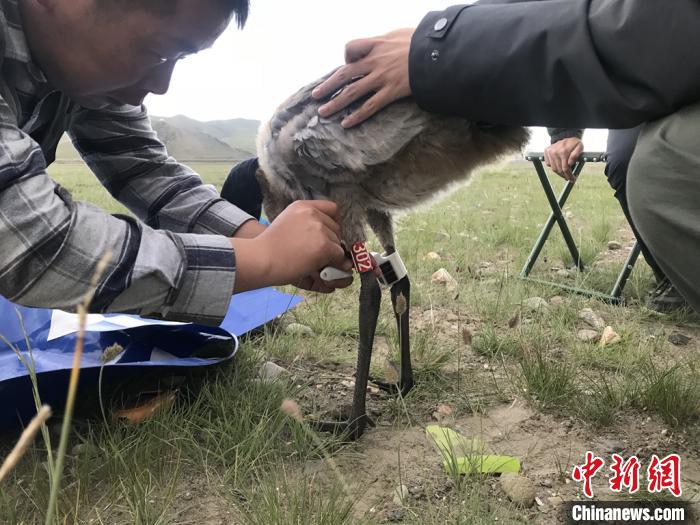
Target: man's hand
(562, 155)
(382, 64)
(301, 241)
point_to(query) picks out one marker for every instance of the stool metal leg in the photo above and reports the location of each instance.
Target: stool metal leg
(556, 216)
(625, 273)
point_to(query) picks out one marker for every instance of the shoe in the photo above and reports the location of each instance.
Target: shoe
(665, 298)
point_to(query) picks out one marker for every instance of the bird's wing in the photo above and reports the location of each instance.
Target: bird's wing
(334, 150)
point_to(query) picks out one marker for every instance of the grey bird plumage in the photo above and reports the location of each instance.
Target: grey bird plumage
(397, 159)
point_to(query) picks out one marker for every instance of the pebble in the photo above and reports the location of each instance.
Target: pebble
(588, 336)
(443, 413)
(444, 278)
(557, 300)
(298, 329)
(609, 337)
(679, 339)
(432, 256)
(614, 245)
(591, 318)
(614, 447)
(270, 371)
(519, 489)
(535, 303)
(401, 494)
(395, 515)
(467, 336)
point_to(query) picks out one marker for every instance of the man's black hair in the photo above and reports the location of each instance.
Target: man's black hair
(239, 8)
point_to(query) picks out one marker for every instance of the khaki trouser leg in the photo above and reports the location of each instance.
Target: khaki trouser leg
(664, 196)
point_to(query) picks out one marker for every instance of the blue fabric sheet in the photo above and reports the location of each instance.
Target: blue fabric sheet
(155, 345)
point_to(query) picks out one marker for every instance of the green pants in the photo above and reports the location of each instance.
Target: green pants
(664, 197)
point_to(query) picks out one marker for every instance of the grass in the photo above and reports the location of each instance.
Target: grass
(226, 454)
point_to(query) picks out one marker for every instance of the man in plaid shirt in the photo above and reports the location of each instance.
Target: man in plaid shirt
(84, 67)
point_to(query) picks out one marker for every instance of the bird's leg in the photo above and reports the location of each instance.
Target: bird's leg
(381, 224)
(401, 301)
(370, 298)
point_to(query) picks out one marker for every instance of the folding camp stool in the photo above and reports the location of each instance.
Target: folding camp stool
(556, 204)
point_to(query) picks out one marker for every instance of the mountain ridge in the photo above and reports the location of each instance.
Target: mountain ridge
(188, 139)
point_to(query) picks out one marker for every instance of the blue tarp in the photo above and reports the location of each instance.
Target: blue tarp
(153, 345)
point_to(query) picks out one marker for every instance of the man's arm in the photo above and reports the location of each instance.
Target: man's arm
(130, 161)
(568, 63)
(51, 246)
(121, 148)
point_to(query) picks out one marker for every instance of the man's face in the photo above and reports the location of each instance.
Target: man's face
(115, 56)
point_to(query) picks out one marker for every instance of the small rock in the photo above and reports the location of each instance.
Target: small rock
(401, 494)
(444, 278)
(187, 496)
(557, 300)
(84, 449)
(548, 483)
(443, 413)
(270, 371)
(514, 321)
(395, 515)
(539, 502)
(432, 256)
(614, 447)
(299, 329)
(467, 336)
(588, 336)
(609, 337)
(614, 246)
(679, 339)
(535, 303)
(664, 432)
(555, 501)
(519, 489)
(563, 273)
(591, 318)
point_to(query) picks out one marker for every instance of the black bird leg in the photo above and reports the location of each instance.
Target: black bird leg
(370, 302)
(401, 301)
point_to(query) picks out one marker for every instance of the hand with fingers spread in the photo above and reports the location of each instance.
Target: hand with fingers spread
(562, 156)
(380, 66)
(301, 241)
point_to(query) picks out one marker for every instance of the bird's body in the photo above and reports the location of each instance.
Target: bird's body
(394, 161)
(401, 157)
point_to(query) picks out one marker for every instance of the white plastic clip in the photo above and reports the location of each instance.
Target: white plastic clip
(329, 273)
(391, 268)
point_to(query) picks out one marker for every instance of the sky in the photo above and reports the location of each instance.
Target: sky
(284, 46)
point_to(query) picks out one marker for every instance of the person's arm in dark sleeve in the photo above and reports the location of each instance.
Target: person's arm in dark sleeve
(567, 63)
(557, 134)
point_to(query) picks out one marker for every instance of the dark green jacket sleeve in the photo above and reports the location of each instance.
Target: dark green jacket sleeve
(559, 63)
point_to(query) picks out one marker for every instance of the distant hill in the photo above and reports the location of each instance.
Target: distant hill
(191, 140)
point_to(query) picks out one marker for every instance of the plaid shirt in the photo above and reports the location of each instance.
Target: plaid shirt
(174, 261)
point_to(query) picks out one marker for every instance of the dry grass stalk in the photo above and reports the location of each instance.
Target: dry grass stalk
(25, 440)
(73, 385)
